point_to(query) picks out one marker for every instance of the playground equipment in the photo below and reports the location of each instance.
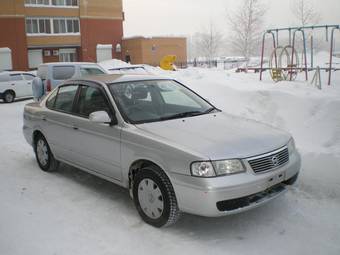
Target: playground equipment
(288, 70)
(168, 63)
(280, 63)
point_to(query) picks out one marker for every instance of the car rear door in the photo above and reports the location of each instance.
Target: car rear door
(98, 145)
(58, 122)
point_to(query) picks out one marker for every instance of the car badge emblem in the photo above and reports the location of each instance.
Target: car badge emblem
(275, 161)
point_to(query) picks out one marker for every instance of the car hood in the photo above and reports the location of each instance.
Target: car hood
(218, 135)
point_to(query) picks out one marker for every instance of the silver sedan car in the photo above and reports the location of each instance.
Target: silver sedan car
(170, 147)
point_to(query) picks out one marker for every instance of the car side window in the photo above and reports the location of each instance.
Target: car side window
(51, 100)
(16, 77)
(65, 98)
(63, 72)
(28, 77)
(91, 100)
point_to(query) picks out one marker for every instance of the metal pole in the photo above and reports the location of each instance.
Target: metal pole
(262, 53)
(312, 51)
(292, 59)
(277, 37)
(305, 52)
(290, 37)
(331, 57)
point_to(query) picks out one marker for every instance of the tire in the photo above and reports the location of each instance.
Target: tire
(44, 156)
(9, 97)
(154, 197)
(292, 180)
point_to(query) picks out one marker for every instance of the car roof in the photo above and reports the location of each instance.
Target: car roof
(14, 72)
(117, 78)
(69, 64)
(126, 67)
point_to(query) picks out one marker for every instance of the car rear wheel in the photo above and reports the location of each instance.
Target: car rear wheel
(155, 198)
(44, 156)
(9, 97)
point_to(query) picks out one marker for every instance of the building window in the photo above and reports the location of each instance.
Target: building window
(37, 2)
(65, 2)
(62, 26)
(52, 3)
(52, 26)
(67, 55)
(5, 59)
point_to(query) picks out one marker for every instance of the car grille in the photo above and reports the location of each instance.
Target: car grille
(269, 161)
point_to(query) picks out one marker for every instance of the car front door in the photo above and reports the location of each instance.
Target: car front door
(18, 84)
(28, 87)
(97, 145)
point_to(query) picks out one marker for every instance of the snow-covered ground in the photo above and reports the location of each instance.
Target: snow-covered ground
(71, 212)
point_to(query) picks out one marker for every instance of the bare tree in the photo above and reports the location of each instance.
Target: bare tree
(246, 27)
(209, 42)
(305, 12)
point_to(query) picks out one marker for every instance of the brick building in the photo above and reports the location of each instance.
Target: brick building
(142, 50)
(37, 31)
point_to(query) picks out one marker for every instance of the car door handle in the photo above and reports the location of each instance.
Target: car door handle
(43, 118)
(75, 127)
(13, 84)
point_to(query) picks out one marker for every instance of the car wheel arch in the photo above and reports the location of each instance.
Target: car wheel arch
(10, 91)
(36, 134)
(137, 165)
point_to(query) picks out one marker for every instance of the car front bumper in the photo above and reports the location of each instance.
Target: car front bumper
(224, 195)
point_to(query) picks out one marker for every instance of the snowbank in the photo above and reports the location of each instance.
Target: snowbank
(113, 63)
(71, 212)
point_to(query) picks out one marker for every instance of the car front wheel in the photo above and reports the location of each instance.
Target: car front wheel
(155, 198)
(44, 156)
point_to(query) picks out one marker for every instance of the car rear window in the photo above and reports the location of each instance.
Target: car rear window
(63, 72)
(90, 71)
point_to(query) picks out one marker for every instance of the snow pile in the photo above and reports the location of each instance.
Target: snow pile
(113, 63)
(311, 115)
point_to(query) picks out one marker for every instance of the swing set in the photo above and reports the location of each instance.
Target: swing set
(284, 63)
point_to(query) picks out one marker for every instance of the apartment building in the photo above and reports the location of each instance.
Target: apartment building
(39, 31)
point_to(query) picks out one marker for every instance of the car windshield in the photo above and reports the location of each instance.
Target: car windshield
(157, 100)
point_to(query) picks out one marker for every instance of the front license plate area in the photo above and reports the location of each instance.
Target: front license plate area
(276, 179)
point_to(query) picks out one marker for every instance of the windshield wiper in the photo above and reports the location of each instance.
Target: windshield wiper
(182, 115)
(210, 110)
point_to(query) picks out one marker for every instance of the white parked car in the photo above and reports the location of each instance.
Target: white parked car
(15, 85)
(53, 74)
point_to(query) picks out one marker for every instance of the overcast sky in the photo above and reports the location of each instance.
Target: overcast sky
(185, 17)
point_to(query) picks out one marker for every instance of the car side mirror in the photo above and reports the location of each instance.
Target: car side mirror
(101, 117)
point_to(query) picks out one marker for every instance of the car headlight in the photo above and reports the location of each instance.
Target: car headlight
(202, 169)
(227, 167)
(217, 168)
(291, 146)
